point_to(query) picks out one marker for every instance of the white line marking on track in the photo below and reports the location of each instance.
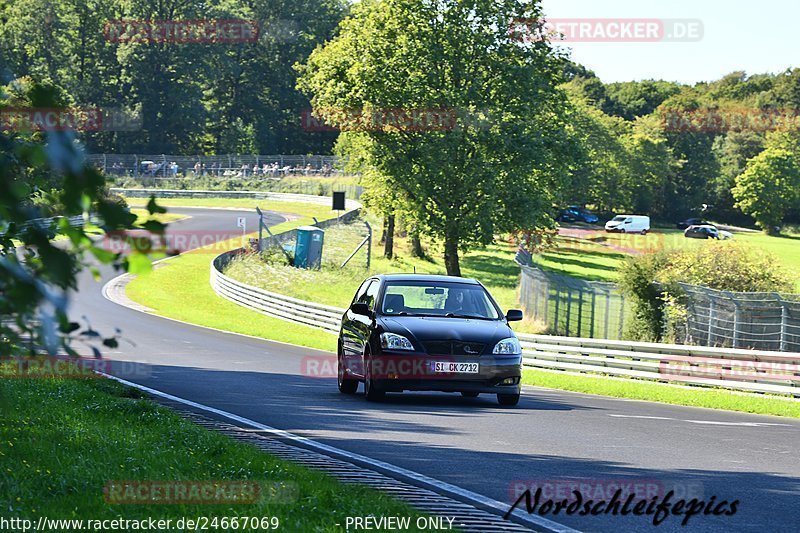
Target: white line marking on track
(446, 488)
(642, 416)
(707, 422)
(742, 424)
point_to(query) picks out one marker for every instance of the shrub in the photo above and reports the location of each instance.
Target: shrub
(651, 282)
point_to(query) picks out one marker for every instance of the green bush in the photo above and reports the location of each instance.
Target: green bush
(651, 282)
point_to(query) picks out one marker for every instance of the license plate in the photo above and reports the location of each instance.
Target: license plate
(454, 368)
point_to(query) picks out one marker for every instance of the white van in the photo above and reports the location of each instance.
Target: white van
(629, 224)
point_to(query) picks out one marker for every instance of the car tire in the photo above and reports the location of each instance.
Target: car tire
(371, 391)
(470, 394)
(508, 400)
(644, 232)
(346, 386)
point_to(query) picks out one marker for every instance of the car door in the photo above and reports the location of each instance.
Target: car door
(351, 346)
(627, 225)
(363, 325)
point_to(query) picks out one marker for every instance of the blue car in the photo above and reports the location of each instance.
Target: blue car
(576, 213)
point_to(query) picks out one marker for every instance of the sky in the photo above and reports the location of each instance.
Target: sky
(754, 36)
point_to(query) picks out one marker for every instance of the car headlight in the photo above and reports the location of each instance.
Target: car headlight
(393, 341)
(509, 346)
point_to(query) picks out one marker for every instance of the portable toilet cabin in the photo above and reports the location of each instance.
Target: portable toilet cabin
(308, 247)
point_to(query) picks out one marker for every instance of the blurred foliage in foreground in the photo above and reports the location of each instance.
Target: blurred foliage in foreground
(38, 271)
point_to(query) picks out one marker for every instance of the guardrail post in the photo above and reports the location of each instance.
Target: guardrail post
(369, 243)
(569, 307)
(555, 316)
(710, 317)
(736, 319)
(784, 342)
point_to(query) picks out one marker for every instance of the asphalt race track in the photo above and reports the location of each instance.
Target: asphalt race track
(471, 443)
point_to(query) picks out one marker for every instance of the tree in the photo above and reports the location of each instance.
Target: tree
(732, 152)
(36, 275)
(491, 164)
(769, 186)
(633, 99)
(601, 174)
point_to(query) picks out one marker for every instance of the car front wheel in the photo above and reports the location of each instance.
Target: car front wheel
(509, 400)
(371, 391)
(346, 385)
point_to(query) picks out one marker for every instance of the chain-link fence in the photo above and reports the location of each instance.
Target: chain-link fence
(163, 166)
(317, 175)
(571, 306)
(757, 320)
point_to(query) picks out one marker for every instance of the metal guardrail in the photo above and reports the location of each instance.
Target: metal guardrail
(737, 369)
(257, 195)
(273, 304)
(276, 305)
(729, 368)
(745, 370)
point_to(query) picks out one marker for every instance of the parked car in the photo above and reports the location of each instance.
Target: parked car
(693, 222)
(629, 224)
(576, 213)
(410, 332)
(706, 231)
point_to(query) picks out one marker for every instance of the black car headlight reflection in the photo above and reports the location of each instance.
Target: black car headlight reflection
(393, 341)
(509, 346)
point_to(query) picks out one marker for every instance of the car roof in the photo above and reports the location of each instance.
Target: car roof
(426, 277)
(709, 226)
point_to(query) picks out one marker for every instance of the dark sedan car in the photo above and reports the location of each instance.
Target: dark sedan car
(576, 213)
(410, 332)
(692, 222)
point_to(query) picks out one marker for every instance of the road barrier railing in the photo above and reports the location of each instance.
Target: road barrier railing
(256, 195)
(748, 370)
(321, 316)
(273, 304)
(729, 368)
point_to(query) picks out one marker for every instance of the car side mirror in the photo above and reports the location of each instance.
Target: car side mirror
(514, 315)
(359, 308)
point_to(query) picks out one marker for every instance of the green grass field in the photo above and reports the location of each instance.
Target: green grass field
(185, 280)
(63, 440)
(598, 255)
(664, 393)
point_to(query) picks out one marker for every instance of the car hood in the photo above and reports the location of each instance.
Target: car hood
(442, 328)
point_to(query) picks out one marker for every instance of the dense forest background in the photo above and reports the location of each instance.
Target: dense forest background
(644, 146)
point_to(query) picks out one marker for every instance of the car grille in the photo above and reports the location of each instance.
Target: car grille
(453, 348)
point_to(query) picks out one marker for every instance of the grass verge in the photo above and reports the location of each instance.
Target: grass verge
(179, 289)
(664, 393)
(184, 280)
(306, 210)
(588, 252)
(63, 440)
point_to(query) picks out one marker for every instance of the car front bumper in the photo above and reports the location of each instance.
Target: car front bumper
(496, 374)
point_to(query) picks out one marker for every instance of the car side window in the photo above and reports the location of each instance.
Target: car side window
(371, 295)
(362, 290)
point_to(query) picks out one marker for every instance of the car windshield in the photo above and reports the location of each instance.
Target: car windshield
(619, 218)
(421, 298)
